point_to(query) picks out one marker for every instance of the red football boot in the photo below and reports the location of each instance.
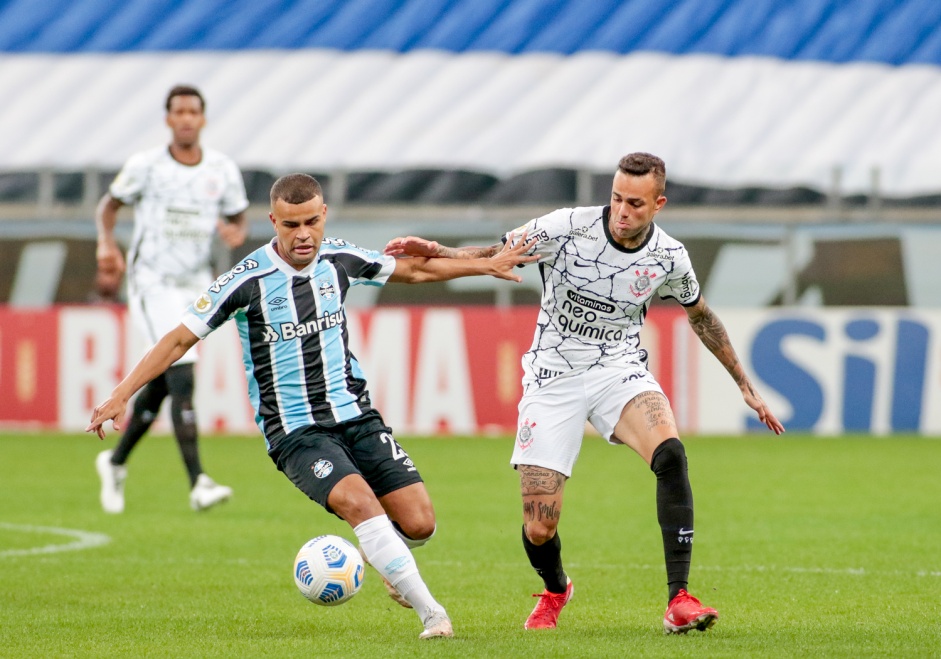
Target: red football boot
(546, 613)
(685, 612)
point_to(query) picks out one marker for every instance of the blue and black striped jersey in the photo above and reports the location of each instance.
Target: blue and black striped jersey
(292, 325)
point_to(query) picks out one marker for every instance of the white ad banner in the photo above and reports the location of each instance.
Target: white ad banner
(852, 370)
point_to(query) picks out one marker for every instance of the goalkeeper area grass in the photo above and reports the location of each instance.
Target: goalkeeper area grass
(806, 546)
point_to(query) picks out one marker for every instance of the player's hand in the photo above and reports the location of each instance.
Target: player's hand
(109, 258)
(513, 255)
(233, 234)
(110, 410)
(110, 269)
(765, 415)
(107, 284)
(412, 246)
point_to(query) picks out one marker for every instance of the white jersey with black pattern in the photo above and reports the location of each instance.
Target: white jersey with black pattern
(176, 207)
(596, 292)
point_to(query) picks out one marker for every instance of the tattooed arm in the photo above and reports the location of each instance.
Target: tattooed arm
(711, 332)
(414, 246)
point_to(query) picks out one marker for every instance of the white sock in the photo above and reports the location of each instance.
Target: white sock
(386, 552)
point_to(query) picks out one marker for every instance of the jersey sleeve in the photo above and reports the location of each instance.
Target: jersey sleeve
(227, 295)
(128, 185)
(546, 230)
(681, 283)
(234, 199)
(362, 266)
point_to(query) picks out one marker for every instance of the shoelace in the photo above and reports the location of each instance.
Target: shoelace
(552, 597)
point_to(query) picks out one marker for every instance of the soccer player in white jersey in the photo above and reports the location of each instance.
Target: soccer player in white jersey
(182, 194)
(601, 267)
(309, 392)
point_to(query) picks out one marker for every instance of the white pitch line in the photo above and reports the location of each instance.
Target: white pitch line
(83, 540)
(850, 571)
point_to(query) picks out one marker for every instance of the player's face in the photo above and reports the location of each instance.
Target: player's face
(634, 202)
(185, 118)
(299, 230)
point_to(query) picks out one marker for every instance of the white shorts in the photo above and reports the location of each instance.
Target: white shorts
(552, 417)
(159, 309)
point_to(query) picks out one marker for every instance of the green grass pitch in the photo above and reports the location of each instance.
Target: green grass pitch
(807, 546)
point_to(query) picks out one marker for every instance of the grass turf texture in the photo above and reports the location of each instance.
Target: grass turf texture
(807, 547)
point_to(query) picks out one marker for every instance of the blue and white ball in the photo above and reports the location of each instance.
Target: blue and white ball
(329, 570)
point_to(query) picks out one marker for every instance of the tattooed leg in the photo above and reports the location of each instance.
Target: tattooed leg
(646, 422)
(542, 507)
(542, 501)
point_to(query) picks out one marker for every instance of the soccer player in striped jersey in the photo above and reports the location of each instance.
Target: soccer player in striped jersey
(308, 390)
(183, 194)
(601, 267)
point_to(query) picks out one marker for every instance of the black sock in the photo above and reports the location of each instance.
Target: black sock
(546, 559)
(674, 511)
(180, 386)
(146, 407)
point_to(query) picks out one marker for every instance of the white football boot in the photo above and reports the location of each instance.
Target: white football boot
(437, 625)
(208, 493)
(112, 483)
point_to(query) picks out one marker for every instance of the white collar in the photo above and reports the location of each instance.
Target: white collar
(287, 268)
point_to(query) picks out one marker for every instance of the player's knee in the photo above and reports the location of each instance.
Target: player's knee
(416, 532)
(542, 531)
(418, 524)
(669, 456)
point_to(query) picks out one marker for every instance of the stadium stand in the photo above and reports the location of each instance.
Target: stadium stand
(442, 101)
(818, 114)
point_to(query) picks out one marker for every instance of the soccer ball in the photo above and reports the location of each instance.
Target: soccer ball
(328, 570)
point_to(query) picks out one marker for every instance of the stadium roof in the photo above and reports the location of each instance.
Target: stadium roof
(730, 92)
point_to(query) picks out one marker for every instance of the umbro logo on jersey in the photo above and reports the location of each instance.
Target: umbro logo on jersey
(277, 301)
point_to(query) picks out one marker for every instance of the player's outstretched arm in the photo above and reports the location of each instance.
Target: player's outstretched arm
(415, 246)
(158, 359)
(419, 270)
(711, 332)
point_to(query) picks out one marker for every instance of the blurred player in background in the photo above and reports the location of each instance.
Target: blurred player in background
(180, 194)
(600, 268)
(308, 390)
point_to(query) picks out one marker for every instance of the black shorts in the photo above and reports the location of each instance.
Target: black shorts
(316, 458)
